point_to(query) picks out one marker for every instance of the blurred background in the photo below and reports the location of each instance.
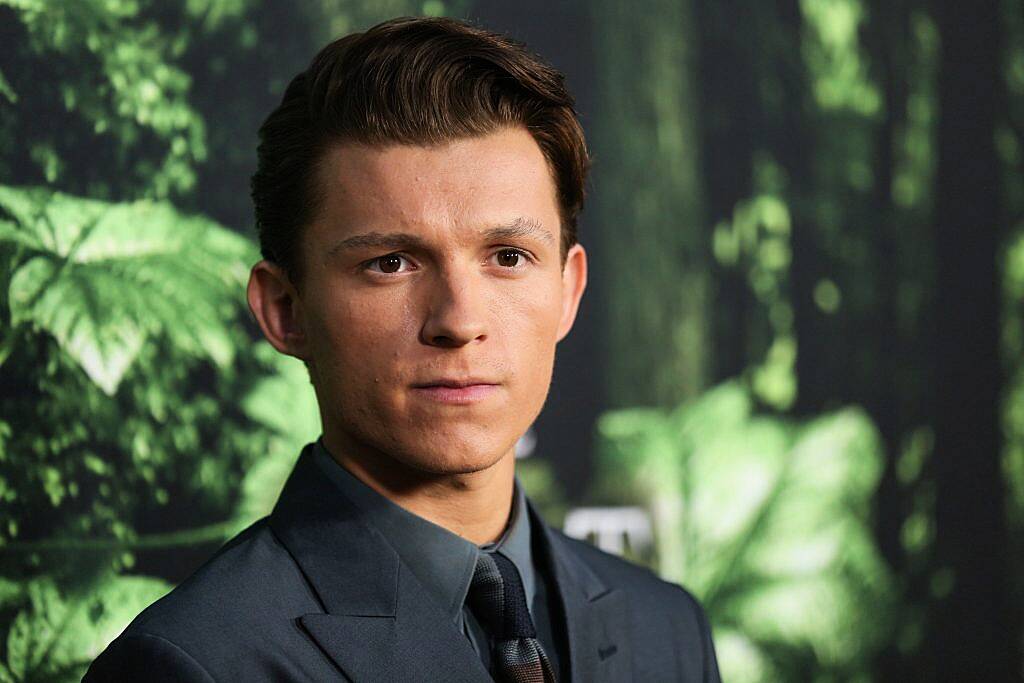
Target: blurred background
(795, 385)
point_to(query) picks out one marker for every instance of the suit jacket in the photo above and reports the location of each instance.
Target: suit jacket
(311, 593)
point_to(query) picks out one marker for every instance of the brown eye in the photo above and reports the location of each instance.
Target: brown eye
(390, 263)
(509, 257)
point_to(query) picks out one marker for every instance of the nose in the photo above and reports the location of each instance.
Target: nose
(456, 310)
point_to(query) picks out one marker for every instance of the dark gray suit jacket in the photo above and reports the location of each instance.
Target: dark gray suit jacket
(310, 593)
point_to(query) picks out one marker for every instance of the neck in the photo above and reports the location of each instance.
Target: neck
(474, 505)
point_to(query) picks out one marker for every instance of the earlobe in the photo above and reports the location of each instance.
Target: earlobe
(574, 282)
(275, 304)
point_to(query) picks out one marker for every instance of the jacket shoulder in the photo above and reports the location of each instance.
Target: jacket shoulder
(146, 657)
(242, 601)
(250, 576)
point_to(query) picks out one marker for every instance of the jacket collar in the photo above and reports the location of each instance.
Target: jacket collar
(596, 613)
(378, 622)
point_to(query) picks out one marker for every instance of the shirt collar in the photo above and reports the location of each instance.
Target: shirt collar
(515, 543)
(443, 562)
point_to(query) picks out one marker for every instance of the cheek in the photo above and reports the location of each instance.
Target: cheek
(529, 327)
(362, 337)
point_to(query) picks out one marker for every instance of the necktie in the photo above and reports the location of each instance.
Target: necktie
(498, 600)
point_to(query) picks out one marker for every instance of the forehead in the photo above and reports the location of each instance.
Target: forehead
(466, 181)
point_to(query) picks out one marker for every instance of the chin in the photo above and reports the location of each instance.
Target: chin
(458, 460)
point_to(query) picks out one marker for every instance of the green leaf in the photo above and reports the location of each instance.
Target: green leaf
(55, 636)
(104, 279)
(10, 591)
(764, 518)
(296, 422)
(100, 614)
(19, 643)
(33, 628)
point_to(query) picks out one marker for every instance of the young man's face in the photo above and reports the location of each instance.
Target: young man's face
(427, 266)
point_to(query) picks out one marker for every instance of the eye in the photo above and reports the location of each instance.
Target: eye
(387, 264)
(511, 258)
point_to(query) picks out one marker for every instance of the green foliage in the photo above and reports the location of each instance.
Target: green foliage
(91, 87)
(120, 330)
(54, 634)
(842, 80)
(103, 279)
(756, 241)
(125, 362)
(766, 520)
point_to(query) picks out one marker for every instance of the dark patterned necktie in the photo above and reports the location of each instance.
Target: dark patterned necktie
(498, 600)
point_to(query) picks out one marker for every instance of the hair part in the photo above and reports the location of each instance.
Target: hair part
(413, 81)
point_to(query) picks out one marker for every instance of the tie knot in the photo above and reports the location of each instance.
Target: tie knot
(497, 598)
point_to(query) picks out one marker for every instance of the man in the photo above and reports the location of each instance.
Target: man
(416, 199)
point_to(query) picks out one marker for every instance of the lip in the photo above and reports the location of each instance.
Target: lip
(457, 382)
(459, 395)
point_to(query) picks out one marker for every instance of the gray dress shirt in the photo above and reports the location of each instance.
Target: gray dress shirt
(444, 562)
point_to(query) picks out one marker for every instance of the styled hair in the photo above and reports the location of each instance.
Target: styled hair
(416, 81)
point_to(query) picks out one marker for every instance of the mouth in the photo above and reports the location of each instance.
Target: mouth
(456, 383)
(456, 391)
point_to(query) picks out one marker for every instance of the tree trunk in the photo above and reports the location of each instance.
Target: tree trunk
(971, 635)
(726, 54)
(649, 202)
(887, 35)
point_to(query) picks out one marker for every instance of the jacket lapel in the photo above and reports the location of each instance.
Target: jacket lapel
(596, 614)
(417, 644)
(378, 624)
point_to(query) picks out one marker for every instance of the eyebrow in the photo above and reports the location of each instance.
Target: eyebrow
(519, 228)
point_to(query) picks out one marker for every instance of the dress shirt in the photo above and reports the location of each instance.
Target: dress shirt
(444, 562)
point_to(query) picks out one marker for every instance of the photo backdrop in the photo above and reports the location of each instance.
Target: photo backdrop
(799, 355)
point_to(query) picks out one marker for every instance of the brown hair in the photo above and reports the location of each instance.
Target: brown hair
(409, 81)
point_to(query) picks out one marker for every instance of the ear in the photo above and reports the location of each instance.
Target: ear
(574, 281)
(275, 303)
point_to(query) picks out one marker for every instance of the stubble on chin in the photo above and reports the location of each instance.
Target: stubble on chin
(454, 457)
